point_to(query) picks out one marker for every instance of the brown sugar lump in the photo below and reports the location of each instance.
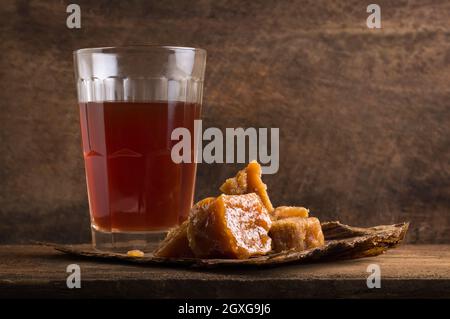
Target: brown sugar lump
(290, 211)
(296, 233)
(176, 243)
(314, 235)
(287, 234)
(247, 181)
(232, 226)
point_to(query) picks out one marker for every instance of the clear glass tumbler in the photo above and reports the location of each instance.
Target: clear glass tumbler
(130, 100)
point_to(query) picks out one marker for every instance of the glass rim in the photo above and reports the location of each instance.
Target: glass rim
(131, 48)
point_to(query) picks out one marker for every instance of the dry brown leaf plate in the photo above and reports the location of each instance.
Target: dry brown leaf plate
(342, 242)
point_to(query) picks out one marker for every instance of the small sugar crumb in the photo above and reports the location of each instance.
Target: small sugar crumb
(135, 253)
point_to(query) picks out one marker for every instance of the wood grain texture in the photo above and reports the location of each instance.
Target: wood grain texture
(35, 271)
(364, 115)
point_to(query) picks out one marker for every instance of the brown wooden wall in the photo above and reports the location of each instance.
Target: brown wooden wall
(364, 115)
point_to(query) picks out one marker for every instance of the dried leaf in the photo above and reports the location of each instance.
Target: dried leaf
(342, 242)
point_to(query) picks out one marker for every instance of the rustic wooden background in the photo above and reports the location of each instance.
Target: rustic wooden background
(364, 115)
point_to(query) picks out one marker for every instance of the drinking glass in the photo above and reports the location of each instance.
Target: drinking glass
(131, 99)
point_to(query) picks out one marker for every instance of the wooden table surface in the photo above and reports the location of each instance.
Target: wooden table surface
(408, 271)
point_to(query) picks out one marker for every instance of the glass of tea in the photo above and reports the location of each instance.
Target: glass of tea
(131, 99)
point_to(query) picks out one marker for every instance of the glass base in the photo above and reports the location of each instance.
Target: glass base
(121, 242)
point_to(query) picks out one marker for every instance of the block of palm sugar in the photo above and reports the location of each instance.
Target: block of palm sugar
(247, 181)
(290, 211)
(232, 226)
(296, 233)
(176, 243)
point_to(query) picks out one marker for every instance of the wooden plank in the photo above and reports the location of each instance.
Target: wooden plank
(409, 271)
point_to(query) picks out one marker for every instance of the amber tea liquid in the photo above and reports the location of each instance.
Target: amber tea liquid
(133, 184)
